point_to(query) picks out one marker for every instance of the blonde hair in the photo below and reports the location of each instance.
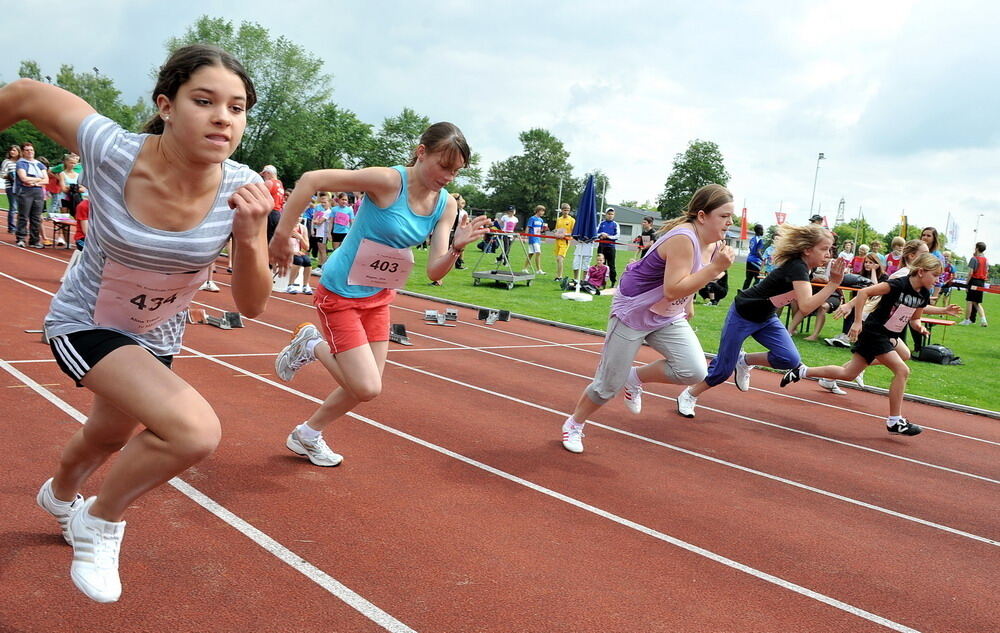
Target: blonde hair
(926, 261)
(863, 250)
(707, 199)
(898, 241)
(792, 241)
(911, 248)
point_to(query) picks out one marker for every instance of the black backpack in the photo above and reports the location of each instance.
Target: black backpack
(938, 354)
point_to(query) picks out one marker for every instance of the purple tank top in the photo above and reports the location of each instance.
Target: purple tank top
(639, 302)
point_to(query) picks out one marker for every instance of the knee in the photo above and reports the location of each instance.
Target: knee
(786, 359)
(197, 438)
(686, 375)
(368, 391)
(902, 372)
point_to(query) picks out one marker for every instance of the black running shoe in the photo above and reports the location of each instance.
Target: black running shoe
(792, 375)
(903, 427)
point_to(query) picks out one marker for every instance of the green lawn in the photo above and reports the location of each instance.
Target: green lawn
(973, 383)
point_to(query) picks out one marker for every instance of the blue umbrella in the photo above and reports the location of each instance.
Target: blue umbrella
(585, 229)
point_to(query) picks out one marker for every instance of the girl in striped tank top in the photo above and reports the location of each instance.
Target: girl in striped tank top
(653, 305)
(162, 205)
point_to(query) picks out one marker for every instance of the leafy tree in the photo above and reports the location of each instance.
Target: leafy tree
(532, 177)
(396, 139)
(290, 88)
(912, 233)
(29, 69)
(858, 231)
(699, 165)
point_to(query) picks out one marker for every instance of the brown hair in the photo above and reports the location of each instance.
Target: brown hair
(185, 62)
(25, 146)
(707, 199)
(933, 246)
(14, 148)
(927, 262)
(447, 138)
(873, 258)
(793, 240)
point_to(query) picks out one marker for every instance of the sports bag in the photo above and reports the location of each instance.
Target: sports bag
(939, 354)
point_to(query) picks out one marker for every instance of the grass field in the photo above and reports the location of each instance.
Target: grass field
(976, 383)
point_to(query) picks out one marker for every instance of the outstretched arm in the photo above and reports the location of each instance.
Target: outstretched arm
(54, 111)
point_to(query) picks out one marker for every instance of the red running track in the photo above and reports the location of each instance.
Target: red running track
(456, 509)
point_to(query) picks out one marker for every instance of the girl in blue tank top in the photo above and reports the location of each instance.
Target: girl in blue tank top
(653, 305)
(402, 206)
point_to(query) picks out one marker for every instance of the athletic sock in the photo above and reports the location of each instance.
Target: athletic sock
(571, 423)
(892, 420)
(803, 371)
(633, 377)
(306, 432)
(311, 346)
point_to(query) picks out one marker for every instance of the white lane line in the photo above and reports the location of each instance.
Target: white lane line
(780, 394)
(276, 549)
(747, 418)
(728, 562)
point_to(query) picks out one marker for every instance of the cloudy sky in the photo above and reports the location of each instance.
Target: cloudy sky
(902, 97)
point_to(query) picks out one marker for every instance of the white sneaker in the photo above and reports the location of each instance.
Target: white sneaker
(95, 554)
(965, 322)
(296, 354)
(859, 380)
(316, 450)
(686, 402)
(63, 511)
(841, 340)
(307, 290)
(317, 271)
(292, 289)
(60, 242)
(983, 323)
(831, 386)
(539, 272)
(633, 397)
(572, 437)
(743, 373)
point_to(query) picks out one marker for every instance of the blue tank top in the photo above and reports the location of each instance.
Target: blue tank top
(396, 226)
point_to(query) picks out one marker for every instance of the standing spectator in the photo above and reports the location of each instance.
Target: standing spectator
(8, 170)
(31, 178)
(946, 278)
(277, 191)
(301, 264)
(79, 234)
(69, 180)
(535, 227)
(646, 237)
(459, 219)
(608, 230)
(978, 271)
(564, 232)
(876, 248)
(53, 188)
(858, 262)
(343, 217)
(508, 224)
(894, 260)
(930, 237)
(319, 230)
(847, 254)
(755, 257)
(816, 219)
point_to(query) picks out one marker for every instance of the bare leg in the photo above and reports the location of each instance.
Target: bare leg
(900, 374)
(358, 371)
(820, 322)
(847, 371)
(796, 320)
(559, 265)
(133, 387)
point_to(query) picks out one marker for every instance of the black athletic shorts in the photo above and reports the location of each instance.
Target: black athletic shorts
(78, 352)
(871, 345)
(974, 294)
(337, 238)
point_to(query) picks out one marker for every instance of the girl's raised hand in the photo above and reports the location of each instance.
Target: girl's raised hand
(470, 231)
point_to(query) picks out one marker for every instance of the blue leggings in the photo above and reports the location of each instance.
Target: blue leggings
(781, 352)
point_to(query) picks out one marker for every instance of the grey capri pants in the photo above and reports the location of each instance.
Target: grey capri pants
(677, 343)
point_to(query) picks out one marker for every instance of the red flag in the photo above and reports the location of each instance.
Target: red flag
(743, 225)
(780, 217)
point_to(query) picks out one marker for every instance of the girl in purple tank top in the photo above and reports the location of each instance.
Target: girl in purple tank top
(653, 305)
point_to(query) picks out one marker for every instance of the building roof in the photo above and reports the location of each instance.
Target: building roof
(629, 215)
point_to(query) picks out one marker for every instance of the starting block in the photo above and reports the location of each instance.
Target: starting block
(492, 316)
(45, 337)
(227, 321)
(397, 334)
(437, 318)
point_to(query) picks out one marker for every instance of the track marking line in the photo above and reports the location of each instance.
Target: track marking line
(273, 547)
(728, 562)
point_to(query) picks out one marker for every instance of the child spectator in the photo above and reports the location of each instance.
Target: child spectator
(894, 260)
(597, 277)
(978, 270)
(301, 264)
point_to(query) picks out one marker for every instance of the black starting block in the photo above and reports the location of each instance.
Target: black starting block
(235, 319)
(397, 334)
(220, 322)
(438, 318)
(227, 321)
(492, 316)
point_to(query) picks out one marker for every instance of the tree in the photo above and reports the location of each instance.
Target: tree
(699, 165)
(912, 233)
(289, 83)
(397, 138)
(858, 231)
(532, 177)
(601, 185)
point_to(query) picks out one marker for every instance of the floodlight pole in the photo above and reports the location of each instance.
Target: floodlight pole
(815, 178)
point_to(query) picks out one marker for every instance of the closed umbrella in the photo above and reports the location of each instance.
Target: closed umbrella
(584, 232)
